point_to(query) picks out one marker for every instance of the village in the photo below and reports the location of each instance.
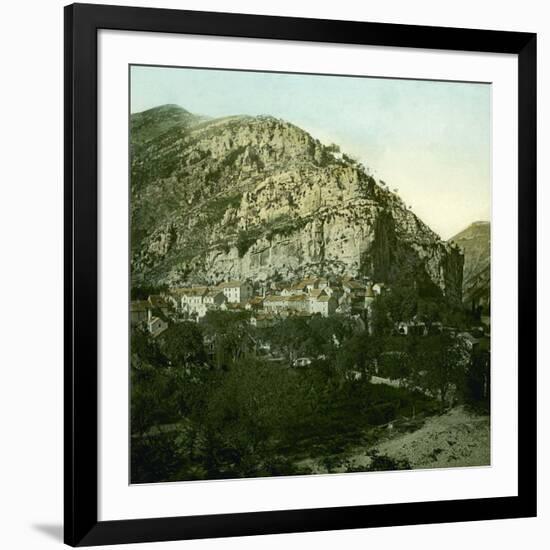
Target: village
(265, 303)
(269, 303)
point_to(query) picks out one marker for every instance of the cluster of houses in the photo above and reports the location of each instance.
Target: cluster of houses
(305, 298)
(268, 303)
(310, 296)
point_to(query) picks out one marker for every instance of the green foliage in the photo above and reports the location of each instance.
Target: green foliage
(183, 344)
(252, 418)
(359, 354)
(298, 336)
(144, 350)
(230, 333)
(395, 365)
(409, 300)
(231, 414)
(153, 398)
(153, 459)
(142, 292)
(438, 365)
(477, 386)
(253, 404)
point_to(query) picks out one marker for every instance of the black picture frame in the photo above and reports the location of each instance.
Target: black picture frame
(81, 25)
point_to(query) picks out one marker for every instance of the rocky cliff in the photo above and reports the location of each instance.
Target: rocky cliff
(475, 243)
(258, 198)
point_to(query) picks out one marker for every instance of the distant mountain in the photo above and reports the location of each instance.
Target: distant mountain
(258, 198)
(475, 242)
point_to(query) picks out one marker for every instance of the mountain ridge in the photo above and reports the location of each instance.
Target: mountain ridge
(260, 198)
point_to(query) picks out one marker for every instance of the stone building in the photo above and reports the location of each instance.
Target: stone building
(325, 305)
(237, 291)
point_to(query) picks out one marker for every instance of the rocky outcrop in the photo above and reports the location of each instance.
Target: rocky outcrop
(258, 198)
(475, 243)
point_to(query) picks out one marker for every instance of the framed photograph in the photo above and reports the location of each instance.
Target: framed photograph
(299, 274)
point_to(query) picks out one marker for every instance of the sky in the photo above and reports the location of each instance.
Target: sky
(430, 140)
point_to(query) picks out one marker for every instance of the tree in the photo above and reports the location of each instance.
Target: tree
(254, 405)
(394, 365)
(440, 365)
(290, 337)
(478, 384)
(401, 304)
(429, 311)
(382, 322)
(143, 292)
(183, 344)
(359, 353)
(152, 399)
(230, 333)
(145, 350)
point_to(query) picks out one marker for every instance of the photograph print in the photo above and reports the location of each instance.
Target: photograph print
(309, 274)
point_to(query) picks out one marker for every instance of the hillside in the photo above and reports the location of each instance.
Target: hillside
(475, 242)
(455, 439)
(258, 198)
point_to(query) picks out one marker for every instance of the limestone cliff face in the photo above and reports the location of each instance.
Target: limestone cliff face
(258, 198)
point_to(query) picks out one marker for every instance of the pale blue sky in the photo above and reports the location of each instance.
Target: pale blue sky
(430, 140)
